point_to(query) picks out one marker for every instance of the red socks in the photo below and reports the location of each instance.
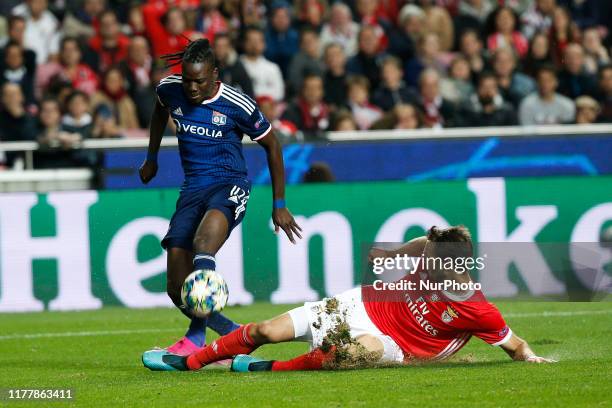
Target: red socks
(309, 361)
(237, 342)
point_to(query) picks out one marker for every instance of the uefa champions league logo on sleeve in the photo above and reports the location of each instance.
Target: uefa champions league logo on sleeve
(218, 118)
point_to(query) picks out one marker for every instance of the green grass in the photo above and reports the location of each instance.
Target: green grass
(104, 369)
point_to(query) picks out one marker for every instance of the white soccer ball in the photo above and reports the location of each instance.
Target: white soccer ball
(203, 292)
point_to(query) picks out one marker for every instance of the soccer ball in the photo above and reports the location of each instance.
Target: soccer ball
(203, 292)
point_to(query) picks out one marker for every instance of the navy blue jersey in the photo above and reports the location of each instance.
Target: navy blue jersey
(210, 134)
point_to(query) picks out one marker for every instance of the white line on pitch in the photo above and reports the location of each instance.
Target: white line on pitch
(84, 333)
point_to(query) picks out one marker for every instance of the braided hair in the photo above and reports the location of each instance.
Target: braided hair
(198, 51)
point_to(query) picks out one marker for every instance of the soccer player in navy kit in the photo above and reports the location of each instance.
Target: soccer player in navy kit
(211, 119)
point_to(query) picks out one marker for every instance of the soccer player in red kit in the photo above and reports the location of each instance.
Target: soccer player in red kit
(420, 325)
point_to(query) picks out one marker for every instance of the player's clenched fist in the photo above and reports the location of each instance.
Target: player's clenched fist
(147, 171)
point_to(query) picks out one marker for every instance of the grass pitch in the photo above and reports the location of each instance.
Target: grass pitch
(97, 355)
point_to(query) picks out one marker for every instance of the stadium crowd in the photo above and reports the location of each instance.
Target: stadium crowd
(75, 69)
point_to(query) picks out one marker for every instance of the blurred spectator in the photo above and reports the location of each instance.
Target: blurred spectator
(265, 75)
(42, 29)
(587, 13)
(15, 122)
(574, 80)
(388, 10)
(545, 106)
(402, 116)
(437, 111)
(538, 17)
(306, 61)
(281, 39)
(513, 85)
(341, 29)
(367, 15)
(137, 69)
(605, 93)
(410, 27)
(478, 10)
(136, 21)
(438, 21)
(231, 70)
(284, 129)
(56, 145)
(309, 112)
(505, 32)
(359, 102)
(429, 55)
(471, 15)
(458, 86)
(596, 54)
(310, 13)
(487, 107)
(539, 54)
(83, 21)
(319, 172)
(587, 110)
(367, 60)
(104, 124)
(77, 118)
(13, 68)
(114, 95)
(110, 45)
(59, 88)
(561, 34)
(334, 80)
(16, 34)
(471, 47)
(166, 29)
(392, 90)
(50, 132)
(210, 21)
(70, 67)
(343, 121)
(247, 13)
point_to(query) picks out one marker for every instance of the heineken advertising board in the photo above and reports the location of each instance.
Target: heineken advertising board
(87, 249)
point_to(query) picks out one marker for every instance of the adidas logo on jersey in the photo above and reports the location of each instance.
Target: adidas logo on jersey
(178, 111)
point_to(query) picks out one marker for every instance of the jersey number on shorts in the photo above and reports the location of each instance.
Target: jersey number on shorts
(240, 197)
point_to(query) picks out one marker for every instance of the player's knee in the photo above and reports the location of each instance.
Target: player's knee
(264, 333)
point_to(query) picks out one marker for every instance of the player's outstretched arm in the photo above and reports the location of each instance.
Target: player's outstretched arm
(519, 350)
(281, 217)
(159, 119)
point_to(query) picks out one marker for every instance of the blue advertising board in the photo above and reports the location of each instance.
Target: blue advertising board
(410, 160)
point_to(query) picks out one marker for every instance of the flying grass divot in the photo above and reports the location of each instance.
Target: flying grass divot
(348, 352)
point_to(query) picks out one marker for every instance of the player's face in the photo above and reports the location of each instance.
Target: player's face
(199, 81)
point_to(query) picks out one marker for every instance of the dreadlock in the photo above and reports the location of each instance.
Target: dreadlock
(195, 52)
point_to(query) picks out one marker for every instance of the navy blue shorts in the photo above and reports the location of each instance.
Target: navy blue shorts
(231, 199)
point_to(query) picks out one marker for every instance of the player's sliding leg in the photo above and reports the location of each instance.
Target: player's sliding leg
(243, 341)
(317, 359)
